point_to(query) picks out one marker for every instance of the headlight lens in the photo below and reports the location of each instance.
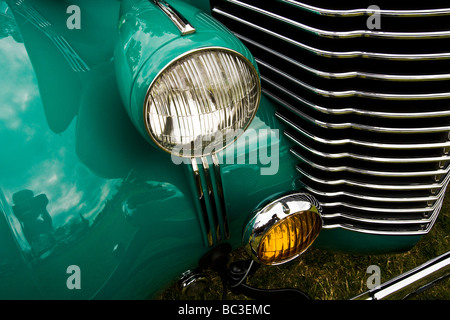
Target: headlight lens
(283, 229)
(196, 101)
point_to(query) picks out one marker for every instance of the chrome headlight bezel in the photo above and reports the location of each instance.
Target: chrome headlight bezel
(146, 108)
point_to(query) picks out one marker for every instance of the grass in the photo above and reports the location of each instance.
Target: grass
(337, 276)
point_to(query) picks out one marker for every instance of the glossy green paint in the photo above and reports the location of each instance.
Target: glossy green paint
(120, 209)
(362, 243)
(112, 213)
(203, 5)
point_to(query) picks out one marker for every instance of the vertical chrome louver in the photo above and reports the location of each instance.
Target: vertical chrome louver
(368, 111)
(209, 191)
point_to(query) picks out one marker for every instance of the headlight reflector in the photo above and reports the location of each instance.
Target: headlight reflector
(197, 100)
(283, 229)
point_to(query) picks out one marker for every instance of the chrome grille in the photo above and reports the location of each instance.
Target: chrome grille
(368, 111)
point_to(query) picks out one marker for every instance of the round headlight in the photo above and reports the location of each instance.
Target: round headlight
(283, 229)
(200, 102)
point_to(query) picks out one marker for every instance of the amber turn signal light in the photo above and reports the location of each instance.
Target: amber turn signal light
(283, 229)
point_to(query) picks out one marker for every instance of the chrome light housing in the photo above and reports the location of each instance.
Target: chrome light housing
(283, 229)
(202, 101)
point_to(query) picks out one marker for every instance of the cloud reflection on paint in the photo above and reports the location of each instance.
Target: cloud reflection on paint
(37, 158)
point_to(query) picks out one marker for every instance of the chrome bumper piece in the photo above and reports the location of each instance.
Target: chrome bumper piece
(413, 281)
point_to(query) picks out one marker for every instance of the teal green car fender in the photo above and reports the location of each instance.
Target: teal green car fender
(88, 208)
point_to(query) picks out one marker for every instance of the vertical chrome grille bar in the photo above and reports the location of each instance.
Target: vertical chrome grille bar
(211, 199)
(202, 201)
(219, 186)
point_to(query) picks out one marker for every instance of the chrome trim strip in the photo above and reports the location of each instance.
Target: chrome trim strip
(376, 209)
(178, 20)
(363, 157)
(376, 199)
(377, 186)
(370, 172)
(201, 199)
(342, 54)
(348, 74)
(424, 228)
(350, 125)
(363, 143)
(356, 93)
(410, 282)
(76, 63)
(344, 34)
(219, 185)
(34, 15)
(343, 111)
(377, 220)
(367, 12)
(212, 201)
(376, 232)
